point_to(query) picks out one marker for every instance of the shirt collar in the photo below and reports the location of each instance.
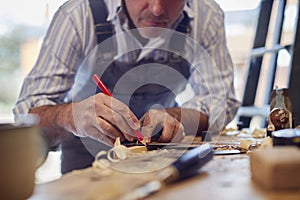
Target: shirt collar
(112, 7)
(189, 10)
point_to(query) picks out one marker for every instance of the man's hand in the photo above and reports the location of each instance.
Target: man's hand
(100, 117)
(104, 118)
(174, 123)
(156, 120)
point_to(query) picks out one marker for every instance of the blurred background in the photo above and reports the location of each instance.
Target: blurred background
(24, 23)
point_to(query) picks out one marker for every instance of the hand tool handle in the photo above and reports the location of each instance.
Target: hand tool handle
(191, 161)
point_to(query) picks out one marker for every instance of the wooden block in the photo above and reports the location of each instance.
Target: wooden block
(277, 167)
(138, 149)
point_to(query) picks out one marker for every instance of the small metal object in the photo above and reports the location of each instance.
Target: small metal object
(286, 137)
(228, 152)
(280, 116)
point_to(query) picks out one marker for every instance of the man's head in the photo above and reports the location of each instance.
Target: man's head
(153, 13)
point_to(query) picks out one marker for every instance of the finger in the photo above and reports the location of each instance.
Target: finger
(148, 126)
(106, 140)
(123, 110)
(94, 133)
(118, 125)
(168, 129)
(147, 132)
(173, 131)
(108, 129)
(179, 134)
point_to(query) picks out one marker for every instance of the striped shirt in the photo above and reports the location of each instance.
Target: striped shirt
(71, 38)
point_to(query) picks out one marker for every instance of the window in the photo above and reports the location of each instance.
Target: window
(22, 27)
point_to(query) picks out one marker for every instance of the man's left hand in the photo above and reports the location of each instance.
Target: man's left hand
(156, 120)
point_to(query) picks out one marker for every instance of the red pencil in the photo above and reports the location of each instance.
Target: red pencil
(106, 91)
(101, 85)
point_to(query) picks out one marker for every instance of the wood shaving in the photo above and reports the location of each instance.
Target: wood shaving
(226, 130)
(245, 144)
(224, 147)
(266, 143)
(136, 159)
(259, 133)
(104, 159)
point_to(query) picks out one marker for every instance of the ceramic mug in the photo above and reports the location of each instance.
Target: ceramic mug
(22, 151)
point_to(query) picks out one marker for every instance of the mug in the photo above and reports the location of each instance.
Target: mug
(22, 151)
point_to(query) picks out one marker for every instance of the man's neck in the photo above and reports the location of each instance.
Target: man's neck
(138, 36)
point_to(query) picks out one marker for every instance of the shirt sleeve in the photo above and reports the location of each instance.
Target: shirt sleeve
(212, 74)
(60, 56)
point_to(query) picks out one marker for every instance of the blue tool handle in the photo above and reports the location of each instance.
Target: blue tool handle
(191, 161)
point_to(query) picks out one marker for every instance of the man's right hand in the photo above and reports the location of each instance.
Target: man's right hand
(100, 117)
(104, 118)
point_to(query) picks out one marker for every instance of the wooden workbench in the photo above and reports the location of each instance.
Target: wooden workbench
(225, 177)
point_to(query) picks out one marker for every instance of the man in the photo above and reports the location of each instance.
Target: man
(71, 38)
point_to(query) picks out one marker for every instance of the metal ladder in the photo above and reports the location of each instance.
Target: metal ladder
(248, 109)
